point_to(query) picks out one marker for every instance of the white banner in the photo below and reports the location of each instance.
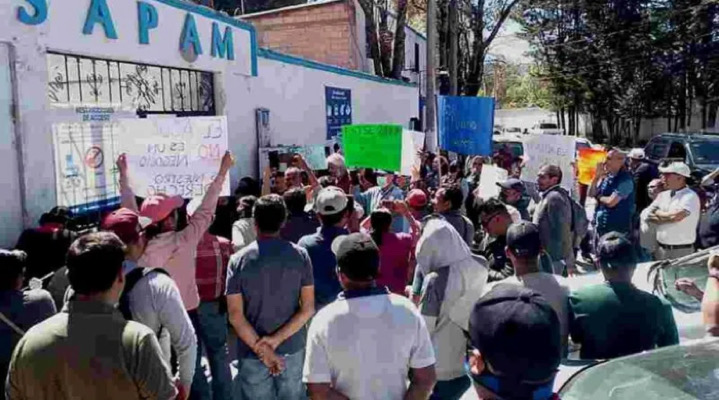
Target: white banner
(412, 142)
(488, 180)
(175, 156)
(542, 150)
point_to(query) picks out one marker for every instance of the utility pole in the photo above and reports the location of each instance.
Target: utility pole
(430, 139)
(453, 39)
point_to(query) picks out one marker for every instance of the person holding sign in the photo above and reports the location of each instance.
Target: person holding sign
(374, 197)
(553, 215)
(168, 248)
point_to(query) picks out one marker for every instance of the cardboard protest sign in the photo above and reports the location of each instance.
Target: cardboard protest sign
(465, 124)
(85, 173)
(314, 155)
(412, 142)
(373, 146)
(542, 150)
(491, 175)
(175, 156)
(587, 162)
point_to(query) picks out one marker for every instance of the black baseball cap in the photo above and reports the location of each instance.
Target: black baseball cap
(357, 256)
(523, 239)
(517, 333)
(512, 183)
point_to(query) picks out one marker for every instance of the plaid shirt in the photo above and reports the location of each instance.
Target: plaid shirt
(213, 255)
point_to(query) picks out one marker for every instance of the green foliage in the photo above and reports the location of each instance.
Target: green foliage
(624, 61)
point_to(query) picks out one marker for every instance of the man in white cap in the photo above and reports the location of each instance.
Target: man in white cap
(674, 213)
(643, 172)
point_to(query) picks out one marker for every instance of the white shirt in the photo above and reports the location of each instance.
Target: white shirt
(365, 346)
(682, 232)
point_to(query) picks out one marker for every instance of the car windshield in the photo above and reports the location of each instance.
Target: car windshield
(706, 152)
(515, 147)
(547, 126)
(685, 372)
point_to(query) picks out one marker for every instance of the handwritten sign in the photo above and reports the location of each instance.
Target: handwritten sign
(84, 166)
(587, 162)
(175, 156)
(373, 146)
(412, 142)
(314, 155)
(491, 175)
(540, 150)
(465, 124)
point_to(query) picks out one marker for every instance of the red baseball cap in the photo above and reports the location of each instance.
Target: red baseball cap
(126, 224)
(160, 206)
(416, 198)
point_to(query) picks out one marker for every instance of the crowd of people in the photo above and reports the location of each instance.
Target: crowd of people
(355, 284)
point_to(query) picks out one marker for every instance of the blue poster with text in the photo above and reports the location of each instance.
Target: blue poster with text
(465, 124)
(338, 108)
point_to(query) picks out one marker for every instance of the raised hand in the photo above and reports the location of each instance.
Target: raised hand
(122, 163)
(228, 160)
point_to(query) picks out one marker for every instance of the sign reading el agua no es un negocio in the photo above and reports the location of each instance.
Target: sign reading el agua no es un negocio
(175, 156)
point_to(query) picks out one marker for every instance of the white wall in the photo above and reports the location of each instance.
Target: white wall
(11, 211)
(295, 95)
(525, 118)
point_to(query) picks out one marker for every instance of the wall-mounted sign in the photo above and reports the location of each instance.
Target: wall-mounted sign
(338, 108)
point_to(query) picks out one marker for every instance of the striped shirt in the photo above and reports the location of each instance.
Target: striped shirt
(213, 256)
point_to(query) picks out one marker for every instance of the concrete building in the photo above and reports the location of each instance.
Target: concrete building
(108, 60)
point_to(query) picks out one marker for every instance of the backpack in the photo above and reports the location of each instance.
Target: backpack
(580, 222)
(131, 279)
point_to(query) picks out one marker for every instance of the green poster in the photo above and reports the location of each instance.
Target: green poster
(373, 146)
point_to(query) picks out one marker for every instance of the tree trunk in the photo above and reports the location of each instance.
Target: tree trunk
(399, 40)
(476, 71)
(372, 36)
(385, 41)
(453, 47)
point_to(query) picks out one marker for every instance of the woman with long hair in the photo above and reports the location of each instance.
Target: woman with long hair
(395, 249)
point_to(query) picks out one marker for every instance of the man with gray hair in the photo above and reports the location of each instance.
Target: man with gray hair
(613, 187)
(553, 215)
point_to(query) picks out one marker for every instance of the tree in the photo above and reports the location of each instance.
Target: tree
(624, 61)
(386, 47)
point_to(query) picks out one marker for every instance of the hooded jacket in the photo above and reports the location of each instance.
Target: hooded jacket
(454, 280)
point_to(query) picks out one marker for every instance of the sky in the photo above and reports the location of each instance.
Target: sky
(508, 46)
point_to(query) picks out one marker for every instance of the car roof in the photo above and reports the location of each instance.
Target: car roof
(688, 136)
(507, 139)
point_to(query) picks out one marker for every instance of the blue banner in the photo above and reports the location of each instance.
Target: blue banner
(338, 108)
(465, 124)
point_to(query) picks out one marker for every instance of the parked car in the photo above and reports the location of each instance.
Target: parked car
(512, 131)
(699, 151)
(514, 142)
(687, 371)
(546, 128)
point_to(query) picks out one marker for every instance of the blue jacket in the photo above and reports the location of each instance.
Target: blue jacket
(619, 217)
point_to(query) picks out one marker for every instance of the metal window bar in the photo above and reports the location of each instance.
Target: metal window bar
(139, 84)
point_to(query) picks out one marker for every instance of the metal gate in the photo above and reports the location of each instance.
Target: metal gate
(150, 89)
